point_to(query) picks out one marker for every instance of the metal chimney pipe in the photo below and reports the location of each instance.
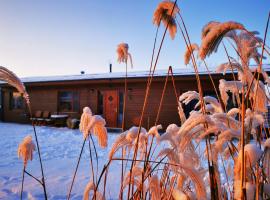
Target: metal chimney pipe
(110, 67)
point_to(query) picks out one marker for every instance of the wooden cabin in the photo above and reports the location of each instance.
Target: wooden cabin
(104, 94)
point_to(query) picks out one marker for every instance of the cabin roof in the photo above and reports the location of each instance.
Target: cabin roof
(114, 75)
(178, 72)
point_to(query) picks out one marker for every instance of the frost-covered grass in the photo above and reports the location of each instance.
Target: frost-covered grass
(60, 148)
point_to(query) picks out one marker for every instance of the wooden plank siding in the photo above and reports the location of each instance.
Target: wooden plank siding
(44, 96)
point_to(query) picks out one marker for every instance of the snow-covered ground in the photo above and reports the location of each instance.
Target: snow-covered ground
(60, 148)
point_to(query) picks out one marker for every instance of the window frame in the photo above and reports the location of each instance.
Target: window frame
(72, 101)
(12, 101)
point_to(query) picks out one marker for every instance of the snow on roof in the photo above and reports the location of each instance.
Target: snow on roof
(187, 71)
(113, 75)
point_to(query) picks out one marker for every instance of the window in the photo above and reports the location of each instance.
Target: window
(68, 101)
(16, 101)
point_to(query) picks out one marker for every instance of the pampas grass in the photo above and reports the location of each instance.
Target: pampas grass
(166, 13)
(26, 149)
(188, 96)
(213, 33)
(11, 78)
(91, 187)
(154, 130)
(179, 168)
(189, 51)
(123, 54)
(94, 124)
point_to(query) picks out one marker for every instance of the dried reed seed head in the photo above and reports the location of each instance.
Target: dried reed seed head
(97, 127)
(25, 149)
(122, 52)
(87, 110)
(229, 66)
(84, 122)
(189, 50)
(119, 142)
(164, 10)
(166, 13)
(208, 27)
(154, 130)
(188, 96)
(91, 187)
(253, 118)
(11, 78)
(233, 112)
(253, 154)
(213, 36)
(133, 133)
(172, 128)
(196, 177)
(170, 22)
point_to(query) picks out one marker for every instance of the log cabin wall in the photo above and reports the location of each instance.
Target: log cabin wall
(44, 96)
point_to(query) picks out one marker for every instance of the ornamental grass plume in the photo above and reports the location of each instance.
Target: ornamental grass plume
(94, 124)
(188, 96)
(26, 148)
(189, 50)
(11, 78)
(170, 135)
(229, 66)
(166, 12)
(85, 120)
(209, 100)
(212, 35)
(154, 130)
(120, 141)
(123, 54)
(91, 187)
(233, 86)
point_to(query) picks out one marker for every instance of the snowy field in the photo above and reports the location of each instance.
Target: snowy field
(60, 148)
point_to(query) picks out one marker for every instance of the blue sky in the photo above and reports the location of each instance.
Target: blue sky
(66, 36)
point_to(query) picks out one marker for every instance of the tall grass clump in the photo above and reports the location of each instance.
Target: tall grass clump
(218, 152)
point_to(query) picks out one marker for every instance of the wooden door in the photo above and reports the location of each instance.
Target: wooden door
(110, 104)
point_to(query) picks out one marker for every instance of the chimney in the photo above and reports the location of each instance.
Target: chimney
(110, 67)
(82, 72)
